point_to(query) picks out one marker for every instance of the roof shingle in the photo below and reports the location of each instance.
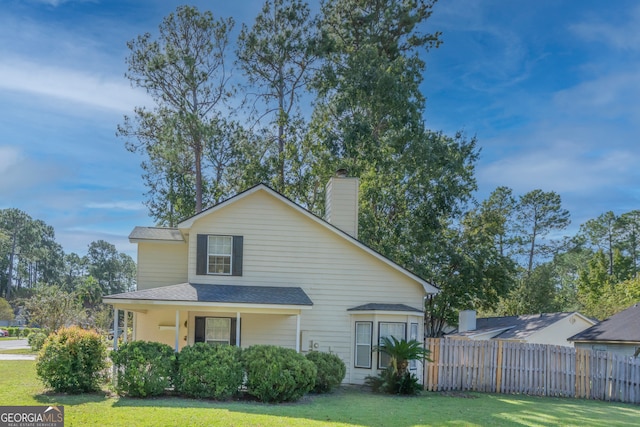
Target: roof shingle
(237, 294)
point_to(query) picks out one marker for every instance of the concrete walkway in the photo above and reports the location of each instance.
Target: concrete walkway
(17, 357)
(18, 344)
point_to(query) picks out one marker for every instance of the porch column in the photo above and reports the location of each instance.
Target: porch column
(177, 330)
(237, 329)
(116, 313)
(134, 324)
(125, 333)
(298, 332)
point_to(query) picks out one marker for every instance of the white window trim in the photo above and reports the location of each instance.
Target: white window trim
(358, 345)
(380, 353)
(413, 335)
(208, 341)
(209, 255)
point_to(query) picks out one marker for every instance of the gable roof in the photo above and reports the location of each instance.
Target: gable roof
(188, 223)
(621, 327)
(232, 294)
(516, 327)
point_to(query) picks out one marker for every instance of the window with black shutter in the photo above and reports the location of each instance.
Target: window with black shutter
(216, 330)
(219, 255)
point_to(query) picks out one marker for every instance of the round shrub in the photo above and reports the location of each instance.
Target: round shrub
(277, 374)
(25, 332)
(36, 340)
(143, 368)
(206, 371)
(72, 360)
(331, 370)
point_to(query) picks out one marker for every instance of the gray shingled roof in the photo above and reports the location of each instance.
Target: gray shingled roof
(384, 307)
(622, 326)
(156, 233)
(514, 327)
(238, 294)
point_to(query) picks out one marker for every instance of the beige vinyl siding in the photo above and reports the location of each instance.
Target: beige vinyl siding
(616, 348)
(268, 329)
(342, 204)
(161, 264)
(154, 326)
(283, 247)
(558, 333)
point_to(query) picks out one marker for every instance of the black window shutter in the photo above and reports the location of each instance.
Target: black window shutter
(201, 254)
(199, 329)
(237, 256)
(232, 341)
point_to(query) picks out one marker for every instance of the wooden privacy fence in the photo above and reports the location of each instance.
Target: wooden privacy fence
(535, 369)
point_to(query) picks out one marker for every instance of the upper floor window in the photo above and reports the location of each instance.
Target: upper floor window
(219, 255)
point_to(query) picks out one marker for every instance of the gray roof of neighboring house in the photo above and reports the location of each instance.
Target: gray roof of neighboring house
(238, 294)
(156, 233)
(622, 326)
(384, 307)
(514, 327)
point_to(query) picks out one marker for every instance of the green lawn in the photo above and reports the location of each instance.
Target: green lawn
(347, 407)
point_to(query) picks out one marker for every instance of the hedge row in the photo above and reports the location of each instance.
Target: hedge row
(73, 360)
(15, 331)
(268, 373)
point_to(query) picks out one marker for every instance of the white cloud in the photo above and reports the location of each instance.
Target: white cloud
(9, 156)
(624, 36)
(563, 166)
(71, 85)
(616, 94)
(121, 205)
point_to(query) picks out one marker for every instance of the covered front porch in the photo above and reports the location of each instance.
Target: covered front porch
(184, 314)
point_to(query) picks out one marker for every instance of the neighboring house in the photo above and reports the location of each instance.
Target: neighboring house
(260, 269)
(618, 334)
(545, 328)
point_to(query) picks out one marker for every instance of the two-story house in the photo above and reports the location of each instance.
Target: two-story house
(260, 269)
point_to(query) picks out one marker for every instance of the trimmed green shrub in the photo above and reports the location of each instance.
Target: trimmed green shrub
(13, 331)
(25, 332)
(72, 360)
(36, 340)
(143, 368)
(206, 371)
(277, 374)
(331, 371)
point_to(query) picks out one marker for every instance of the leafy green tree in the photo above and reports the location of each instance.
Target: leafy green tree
(276, 55)
(115, 272)
(538, 214)
(498, 211)
(184, 73)
(29, 253)
(601, 234)
(75, 270)
(6, 312)
(470, 271)
(628, 228)
(51, 308)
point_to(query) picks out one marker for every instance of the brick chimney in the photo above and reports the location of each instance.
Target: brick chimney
(341, 208)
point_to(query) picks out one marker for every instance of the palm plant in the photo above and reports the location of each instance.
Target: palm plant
(397, 378)
(401, 352)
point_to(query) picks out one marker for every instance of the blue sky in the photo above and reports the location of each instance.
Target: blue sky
(551, 90)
